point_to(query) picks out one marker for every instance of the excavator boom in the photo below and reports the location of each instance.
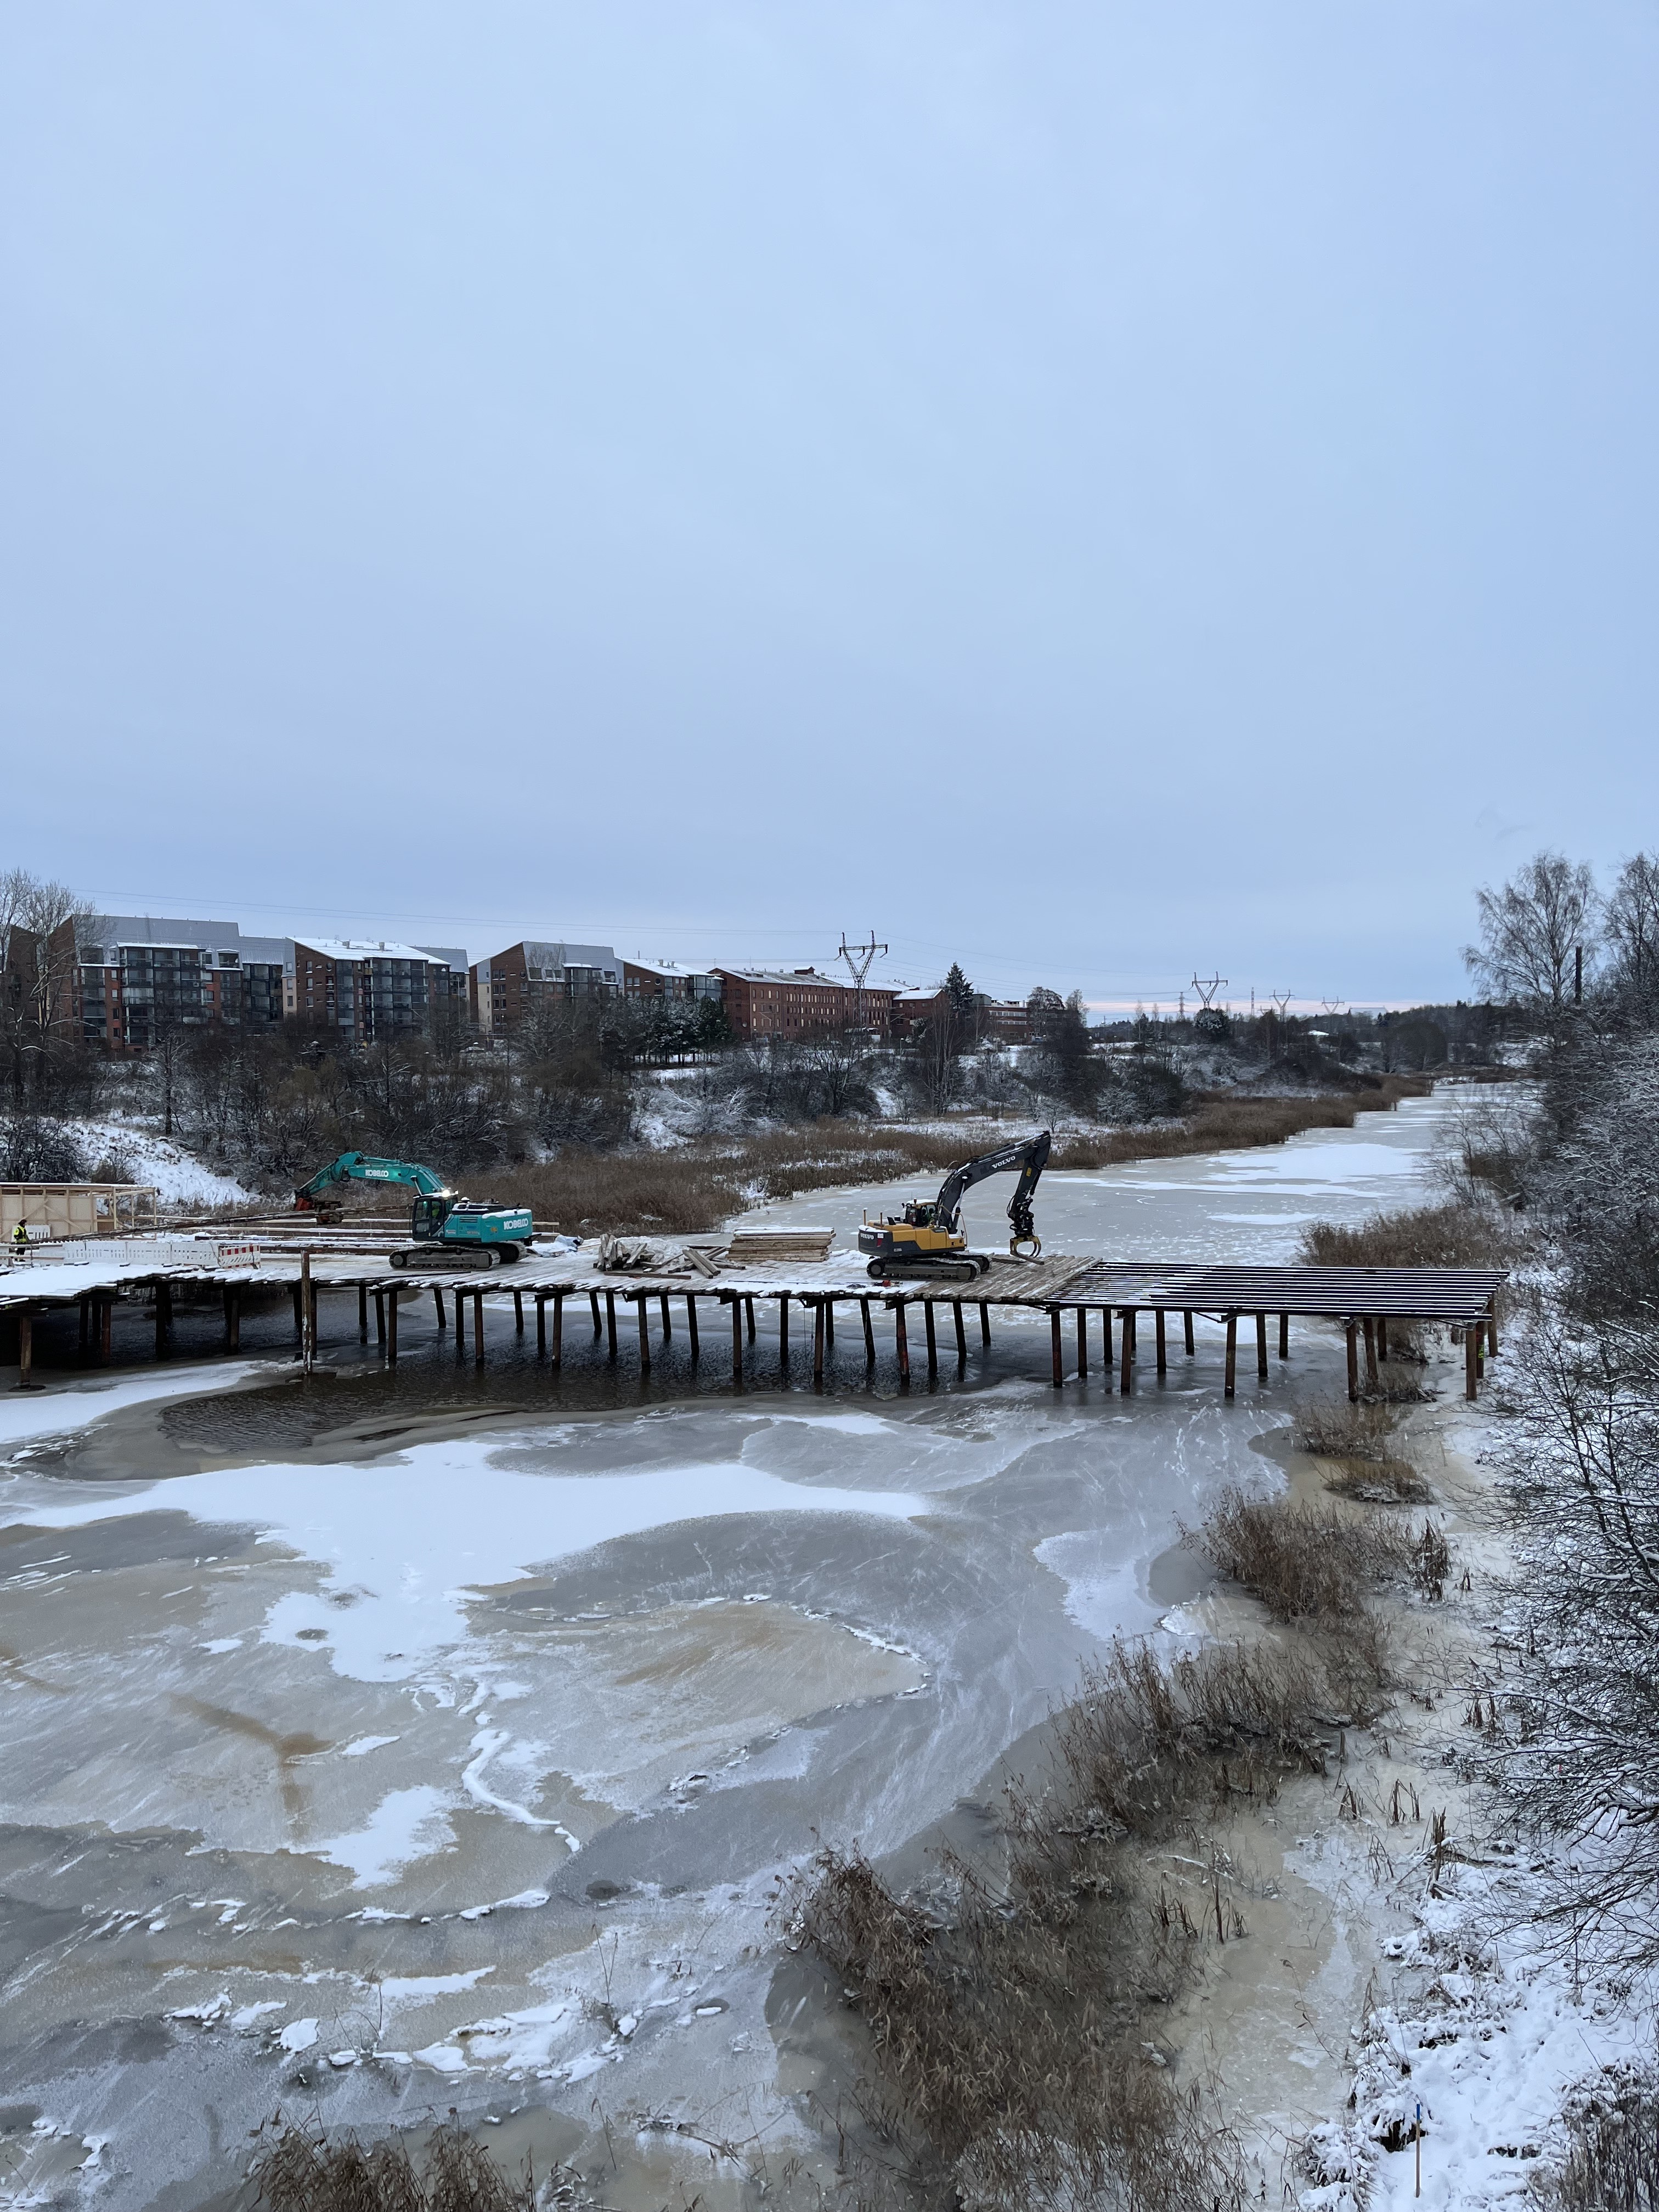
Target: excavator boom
(362, 1167)
(927, 1238)
(1029, 1158)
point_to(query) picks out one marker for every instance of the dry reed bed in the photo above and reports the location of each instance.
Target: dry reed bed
(299, 2170)
(695, 1186)
(1005, 2001)
(1451, 1235)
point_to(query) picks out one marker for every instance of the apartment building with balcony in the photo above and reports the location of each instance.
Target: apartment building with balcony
(512, 986)
(372, 988)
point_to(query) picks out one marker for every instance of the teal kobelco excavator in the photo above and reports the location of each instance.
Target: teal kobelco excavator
(447, 1231)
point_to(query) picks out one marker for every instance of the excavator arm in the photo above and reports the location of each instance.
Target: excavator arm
(1029, 1158)
(362, 1167)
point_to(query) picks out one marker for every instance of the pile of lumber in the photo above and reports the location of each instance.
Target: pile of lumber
(748, 1245)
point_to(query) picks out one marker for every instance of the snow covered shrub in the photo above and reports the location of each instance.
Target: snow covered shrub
(1579, 1756)
(33, 1148)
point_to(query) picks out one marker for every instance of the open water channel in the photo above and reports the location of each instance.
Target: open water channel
(378, 1747)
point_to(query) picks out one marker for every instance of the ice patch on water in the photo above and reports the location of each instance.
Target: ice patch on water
(406, 1825)
(413, 1536)
(362, 1746)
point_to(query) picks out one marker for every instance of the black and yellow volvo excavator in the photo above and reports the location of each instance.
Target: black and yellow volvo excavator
(927, 1238)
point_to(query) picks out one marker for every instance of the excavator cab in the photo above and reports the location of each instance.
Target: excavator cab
(427, 1217)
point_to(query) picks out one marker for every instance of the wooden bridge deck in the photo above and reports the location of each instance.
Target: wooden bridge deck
(1361, 1300)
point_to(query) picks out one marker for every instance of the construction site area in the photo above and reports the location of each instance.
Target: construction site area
(427, 1655)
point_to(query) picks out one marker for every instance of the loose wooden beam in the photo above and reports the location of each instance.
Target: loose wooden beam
(1261, 1347)
(1351, 1331)
(869, 1334)
(1057, 1348)
(1232, 1355)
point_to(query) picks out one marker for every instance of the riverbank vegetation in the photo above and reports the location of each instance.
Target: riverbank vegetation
(1008, 2002)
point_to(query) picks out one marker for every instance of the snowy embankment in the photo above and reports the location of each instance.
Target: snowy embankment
(1485, 2026)
(142, 1156)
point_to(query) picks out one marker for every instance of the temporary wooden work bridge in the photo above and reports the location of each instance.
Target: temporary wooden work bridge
(1361, 1300)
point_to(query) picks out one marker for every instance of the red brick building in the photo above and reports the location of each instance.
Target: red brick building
(798, 1002)
(511, 986)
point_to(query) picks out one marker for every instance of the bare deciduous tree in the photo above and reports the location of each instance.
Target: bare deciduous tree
(1631, 926)
(40, 923)
(1533, 931)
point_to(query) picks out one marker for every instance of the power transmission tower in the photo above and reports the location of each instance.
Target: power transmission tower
(1282, 1000)
(1206, 992)
(859, 959)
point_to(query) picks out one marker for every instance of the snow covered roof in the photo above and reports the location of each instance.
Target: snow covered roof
(108, 930)
(370, 948)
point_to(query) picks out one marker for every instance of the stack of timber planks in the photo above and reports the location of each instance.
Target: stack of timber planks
(749, 1245)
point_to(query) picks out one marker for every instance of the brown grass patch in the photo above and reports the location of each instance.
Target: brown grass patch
(1336, 1429)
(300, 2170)
(1422, 1236)
(1378, 1482)
(1003, 2002)
(1006, 2000)
(1306, 1563)
(695, 1186)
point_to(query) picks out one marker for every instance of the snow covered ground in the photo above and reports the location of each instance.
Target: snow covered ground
(147, 1156)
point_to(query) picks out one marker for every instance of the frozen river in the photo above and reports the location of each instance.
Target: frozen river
(450, 1759)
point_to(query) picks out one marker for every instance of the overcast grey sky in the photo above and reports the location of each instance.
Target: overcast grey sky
(1092, 489)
